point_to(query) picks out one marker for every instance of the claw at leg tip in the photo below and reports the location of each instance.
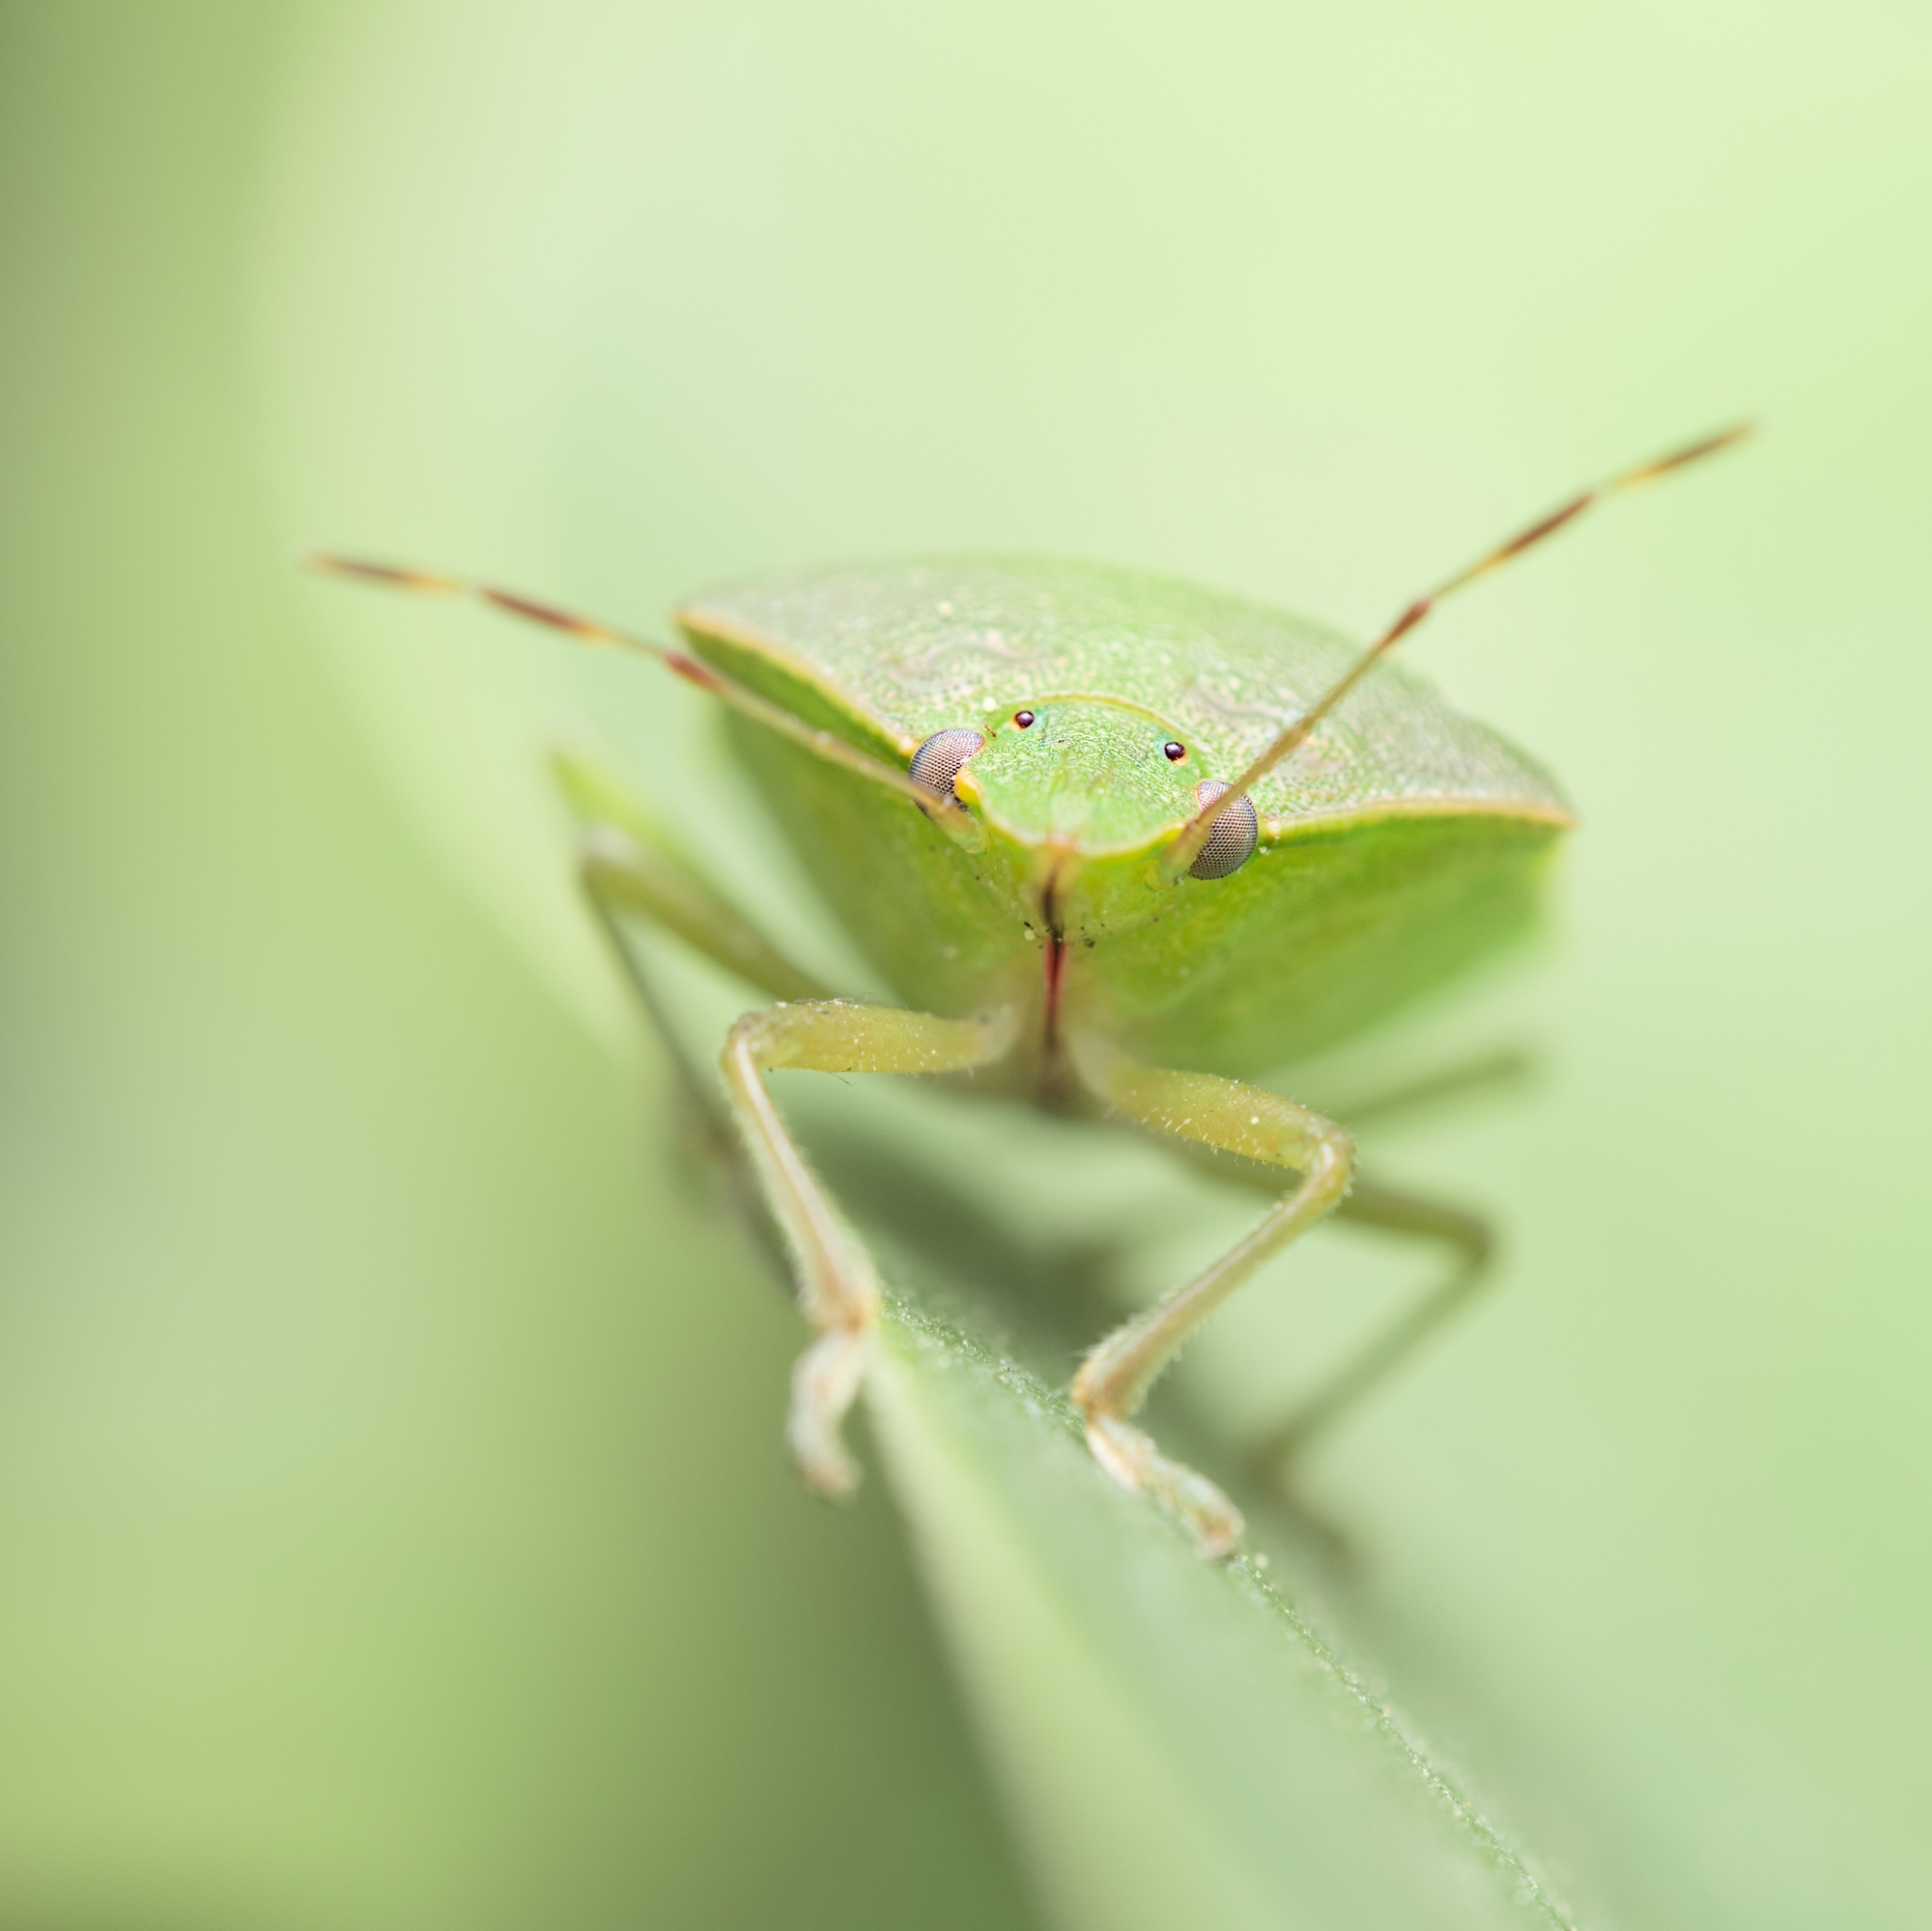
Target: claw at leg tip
(833, 1477)
(825, 1381)
(1131, 1459)
(1219, 1543)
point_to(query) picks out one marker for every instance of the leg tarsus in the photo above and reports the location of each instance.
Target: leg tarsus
(824, 1384)
(1128, 1454)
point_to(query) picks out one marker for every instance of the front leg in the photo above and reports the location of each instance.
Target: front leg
(838, 1289)
(1116, 1374)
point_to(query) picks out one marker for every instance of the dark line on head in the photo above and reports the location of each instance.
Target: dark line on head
(1054, 961)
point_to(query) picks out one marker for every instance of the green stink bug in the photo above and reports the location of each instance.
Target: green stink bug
(1122, 847)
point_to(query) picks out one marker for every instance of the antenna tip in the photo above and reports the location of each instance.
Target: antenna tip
(327, 563)
(1738, 432)
(1695, 452)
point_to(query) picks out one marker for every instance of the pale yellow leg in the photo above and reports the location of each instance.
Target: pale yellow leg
(634, 875)
(632, 869)
(838, 1290)
(1374, 1205)
(1371, 1204)
(1116, 1374)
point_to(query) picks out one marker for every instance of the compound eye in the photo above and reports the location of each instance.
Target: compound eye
(1023, 718)
(1231, 844)
(937, 762)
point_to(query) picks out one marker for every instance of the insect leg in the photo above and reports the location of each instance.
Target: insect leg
(629, 866)
(1488, 1076)
(633, 874)
(1370, 1203)
(1117, 1373)
(1376, 1206)
(838, 1290)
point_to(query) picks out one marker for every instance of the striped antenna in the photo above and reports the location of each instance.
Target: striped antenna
(1185, 848)
(951, 816)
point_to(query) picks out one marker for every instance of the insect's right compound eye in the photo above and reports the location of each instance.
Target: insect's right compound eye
(937, 762)
(1231, 844)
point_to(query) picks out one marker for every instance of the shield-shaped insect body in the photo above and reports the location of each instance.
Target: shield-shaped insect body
(1120, 843)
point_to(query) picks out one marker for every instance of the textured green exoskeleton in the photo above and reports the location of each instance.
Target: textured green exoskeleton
(1121, 845)
(1404, 842)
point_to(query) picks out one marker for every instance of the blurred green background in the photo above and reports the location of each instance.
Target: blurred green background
(395, 1526)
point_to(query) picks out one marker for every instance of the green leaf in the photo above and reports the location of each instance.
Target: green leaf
(1177, 1744)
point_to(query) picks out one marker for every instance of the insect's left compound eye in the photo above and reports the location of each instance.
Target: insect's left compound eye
(1231, 844)
(937, 762)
